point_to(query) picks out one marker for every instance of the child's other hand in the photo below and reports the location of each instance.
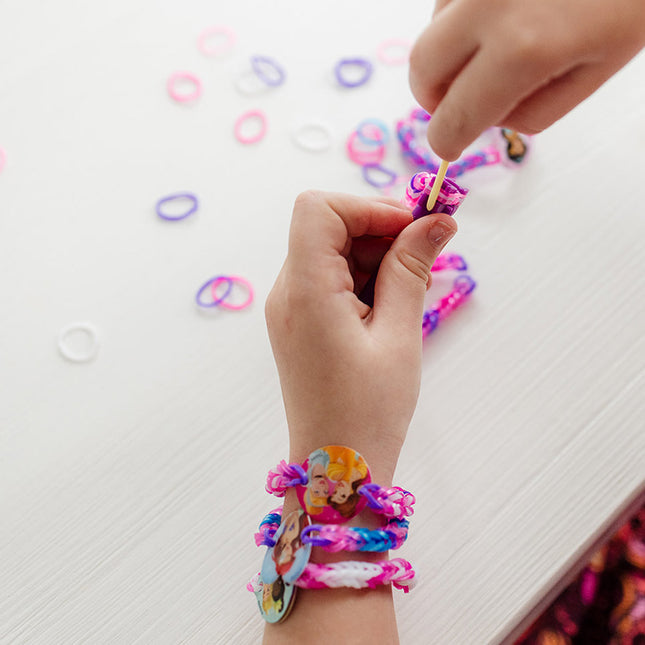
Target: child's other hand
(520, 64)
(349, 373)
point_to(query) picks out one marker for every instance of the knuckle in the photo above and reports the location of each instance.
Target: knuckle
(415, 265)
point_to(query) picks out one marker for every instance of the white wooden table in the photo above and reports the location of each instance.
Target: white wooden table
(130, 486)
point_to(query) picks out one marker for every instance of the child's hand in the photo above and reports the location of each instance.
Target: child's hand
(350, 373)
(520, 64)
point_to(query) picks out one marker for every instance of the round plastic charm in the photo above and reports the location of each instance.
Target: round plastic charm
(275, 600)
(289, 557)
(515, 146)
(335, 473)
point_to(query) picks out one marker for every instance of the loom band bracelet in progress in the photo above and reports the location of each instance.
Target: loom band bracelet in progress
(223, 300)
(240, 123)
(313, 136)
(449, 262)
(462, 288)
(262, 64)
(224, 38)
(394, 51)
(487, 157)
(356, 575)
(177, 197)
(76, 355)
(341, 67)
(184, 78)
(449, 197)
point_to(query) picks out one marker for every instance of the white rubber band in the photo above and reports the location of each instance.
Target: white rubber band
(313, 136)
(74, 355)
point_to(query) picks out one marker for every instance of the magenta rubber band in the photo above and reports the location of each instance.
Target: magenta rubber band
(232, 280)
(217, 300)
(362, 63)
(260, 65)
(184, 76)
(368, 128)
(216, 31)
(174, 197)
(385, 49)
(247, 116)
(363, 155)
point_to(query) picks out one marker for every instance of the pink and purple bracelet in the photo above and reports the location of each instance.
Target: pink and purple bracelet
(394, 502)
(336, 537)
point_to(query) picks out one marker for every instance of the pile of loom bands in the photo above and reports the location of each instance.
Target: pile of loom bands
(507, 147)
(366, 146)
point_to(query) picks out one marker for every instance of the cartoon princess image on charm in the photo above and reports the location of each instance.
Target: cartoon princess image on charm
(516, 149)
(289, 556)
(318, 486)
(349, 472)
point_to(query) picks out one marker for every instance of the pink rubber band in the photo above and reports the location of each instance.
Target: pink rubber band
(223, 48)
(372, 154)
(184, 76)
(241, 120)
(390, 44)
(236, 280)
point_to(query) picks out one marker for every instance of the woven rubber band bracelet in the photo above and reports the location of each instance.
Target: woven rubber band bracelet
(357, 575)
(392, 502)
(334, 537)
(440, 310)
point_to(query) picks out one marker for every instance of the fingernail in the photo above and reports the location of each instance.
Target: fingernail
(439, 233)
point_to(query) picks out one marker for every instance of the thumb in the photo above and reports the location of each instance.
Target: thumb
(404, 274)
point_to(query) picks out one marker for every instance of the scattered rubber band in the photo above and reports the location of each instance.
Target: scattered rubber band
(231, 279)
(383, 51)
(362, 63)
(369, 169)
(77, 356)
(368, 154)
(259, 65)
(305, 136)
(369, 127)
(184, 76)
(3, 158)
(177, 196)
(242, 119)
(222, 48)
(218, 299)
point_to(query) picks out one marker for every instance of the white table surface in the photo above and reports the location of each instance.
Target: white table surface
(130, 486)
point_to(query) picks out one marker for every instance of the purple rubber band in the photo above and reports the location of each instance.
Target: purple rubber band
(260, 62)
(368, 170)
(353, 62)
(169, 198)
(207, 284)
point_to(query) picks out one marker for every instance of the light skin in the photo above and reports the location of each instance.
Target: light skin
(519, 64)
(350, 373)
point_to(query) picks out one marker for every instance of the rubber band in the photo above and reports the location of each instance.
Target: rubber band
(449, 262)
(216, 300)
(247, 116)
(231, 280)
(440, 310)
(313, 136)
(77, 356)
(368, 171)
(384, 49)
(366, 154)
(177, 196)
(449, 197)
(216, 31)
(259, 65)
(3, 158)
(184, 76)
(361, 63)
(367, 127)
